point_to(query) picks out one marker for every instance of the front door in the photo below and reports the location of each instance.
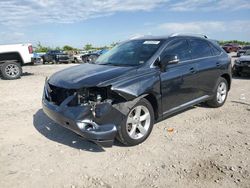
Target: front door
(178, 81)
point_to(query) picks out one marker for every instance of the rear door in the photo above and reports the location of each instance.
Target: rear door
(178, 81)
(208, 65)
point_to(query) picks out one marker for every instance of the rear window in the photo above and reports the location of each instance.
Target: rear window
(215, 50)
(200, 48)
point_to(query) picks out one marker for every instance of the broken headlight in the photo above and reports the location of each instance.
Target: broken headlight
(90, 95)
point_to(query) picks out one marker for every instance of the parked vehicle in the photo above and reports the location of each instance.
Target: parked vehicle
(78, 56)
(12, 58)
(137, 83)
(37, 57)
(91, 57)
(242, 64)
(56, 56)
(231, 47)
(242, 51)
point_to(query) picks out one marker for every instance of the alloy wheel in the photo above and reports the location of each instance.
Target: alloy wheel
(12, 70)
(221, 92)
(138, 122)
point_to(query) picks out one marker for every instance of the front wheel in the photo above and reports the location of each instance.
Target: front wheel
(138, 125)
(11, 70)
(221, 94)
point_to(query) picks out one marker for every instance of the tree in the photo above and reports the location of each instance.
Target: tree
(234, 41)
(58, 48)
(88, 47)
(113, 44)
(41, 48)
(68, 48)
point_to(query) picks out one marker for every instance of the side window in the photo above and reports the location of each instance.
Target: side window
(200, 48)
(215, 50)
(179, 48)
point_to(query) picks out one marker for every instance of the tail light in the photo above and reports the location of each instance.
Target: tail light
(30, 49)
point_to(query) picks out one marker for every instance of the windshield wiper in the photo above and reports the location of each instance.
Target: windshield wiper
(119, 65)
(110, 64)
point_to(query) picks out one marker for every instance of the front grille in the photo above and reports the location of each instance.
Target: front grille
(63, 57)
(57, 94)
(245, 62)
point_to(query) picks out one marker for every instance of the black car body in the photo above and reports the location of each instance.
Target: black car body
(90, 57)
(56, 56)
(243, 51)
(158, 76)
(242, 64)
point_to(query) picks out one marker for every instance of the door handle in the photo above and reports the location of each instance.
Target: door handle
(217, 64)
(192, 70)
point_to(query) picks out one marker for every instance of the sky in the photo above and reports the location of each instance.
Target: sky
(101, 22)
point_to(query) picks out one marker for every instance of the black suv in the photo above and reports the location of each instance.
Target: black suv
(56, 56)
(137, 83)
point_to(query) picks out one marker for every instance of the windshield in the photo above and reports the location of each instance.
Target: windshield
(131, 53)
(247, 52)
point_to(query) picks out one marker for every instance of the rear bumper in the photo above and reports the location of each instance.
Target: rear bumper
(78, 119)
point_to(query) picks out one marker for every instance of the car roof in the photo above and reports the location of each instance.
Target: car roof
(164, 37)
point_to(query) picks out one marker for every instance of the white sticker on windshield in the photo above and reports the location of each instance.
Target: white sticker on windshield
(151, 42)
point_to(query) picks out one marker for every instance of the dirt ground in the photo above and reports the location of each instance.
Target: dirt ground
(208, 147)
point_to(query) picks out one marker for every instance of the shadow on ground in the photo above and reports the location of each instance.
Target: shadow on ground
(27, 74)
(239, 102)
(59, 134)
(242, 77)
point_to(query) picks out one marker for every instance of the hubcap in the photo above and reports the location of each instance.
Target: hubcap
(138, 122)
(221, 92)
(12, 70)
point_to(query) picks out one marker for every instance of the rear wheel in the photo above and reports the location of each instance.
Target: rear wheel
(11, 70)
(138, 125)
(221, 94)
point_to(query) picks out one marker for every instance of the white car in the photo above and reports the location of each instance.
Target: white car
(78, 57)
(12, 58)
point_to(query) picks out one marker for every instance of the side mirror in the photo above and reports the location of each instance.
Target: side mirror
(170, 59)
(167, 60)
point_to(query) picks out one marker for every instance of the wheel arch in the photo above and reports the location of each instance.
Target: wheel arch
(10, 56)
(228, 79)
(153, 101)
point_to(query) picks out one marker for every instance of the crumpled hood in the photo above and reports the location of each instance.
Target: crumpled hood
(244, 58)
(87, 75)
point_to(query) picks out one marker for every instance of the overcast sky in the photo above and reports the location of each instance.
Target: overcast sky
(101, 22)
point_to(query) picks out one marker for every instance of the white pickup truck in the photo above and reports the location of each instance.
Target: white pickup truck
(12, 58)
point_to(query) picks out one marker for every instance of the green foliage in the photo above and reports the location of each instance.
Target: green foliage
(234, 42)
(113, 44)
(68, 48)
(88, 47)
(58, 48)
(41, 48)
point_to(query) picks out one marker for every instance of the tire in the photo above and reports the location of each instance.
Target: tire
(137, 131)
(11, 70)
(76, 60)
(221, 94)
(92, 58)
(235, 72)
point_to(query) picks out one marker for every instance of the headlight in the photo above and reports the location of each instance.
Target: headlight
(89, 95)
(237, 61)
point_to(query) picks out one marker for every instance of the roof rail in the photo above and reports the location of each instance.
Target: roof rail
(189, 34)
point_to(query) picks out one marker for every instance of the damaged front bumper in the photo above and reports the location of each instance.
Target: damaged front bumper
(80, 120)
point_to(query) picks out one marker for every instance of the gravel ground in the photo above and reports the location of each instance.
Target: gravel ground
(207, 148)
